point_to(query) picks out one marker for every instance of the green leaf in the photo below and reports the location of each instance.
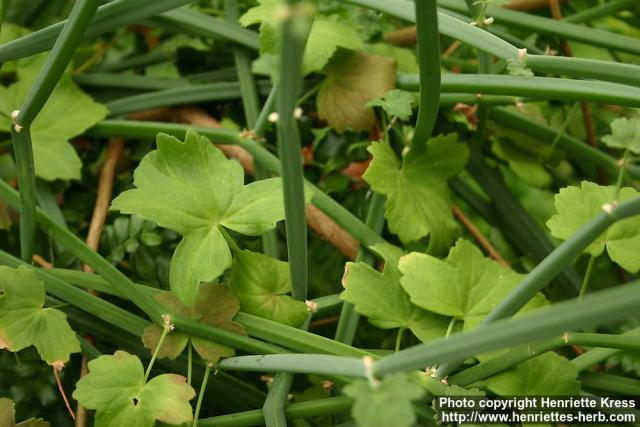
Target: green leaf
(353, 79)
(325, 36)
(522, 163)
(215, 305)
(380, 297)
(578, 205)
(262, 284)
(406, 59)
(465, 286)
(625, 133)
(7, 416)
(416, 187)
(115, 387)
(396, 103)
(546, 375)
(191, 188)
(388, 404)
(67, 113)
(24, 322)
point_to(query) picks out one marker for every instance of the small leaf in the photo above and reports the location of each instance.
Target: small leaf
(526, 166)
(625, 133)
(7, 416)
(578, 205)
(24, 322)
(215, 305)
(386, 405)
(406, 59)
(353, 79)
(325, 35)
(380, 297)
(416, 187)
(465, 286)
(115, 387)
(396, 103)
(191, 188)
(546, 375)
(262, 284)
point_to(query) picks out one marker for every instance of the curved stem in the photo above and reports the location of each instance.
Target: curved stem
(587, 275)
(429, 61)
(203, 388)
(165, 331)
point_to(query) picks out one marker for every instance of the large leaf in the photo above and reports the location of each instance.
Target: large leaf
(215, 305)
(115, 387)
(380, 297)
(578, 205)
(388, 404)
(546, 375)
(416, 188)
(262, 285)
(465, 286)
(353, 79)
(25, 322)
(191, 188)
(67, 113)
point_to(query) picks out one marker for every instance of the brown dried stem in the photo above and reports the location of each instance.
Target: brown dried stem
(482, 241)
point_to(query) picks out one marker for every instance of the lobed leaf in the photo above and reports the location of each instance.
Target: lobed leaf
(578, 205)
(25, 322)
(380, 297)
(115, 387)
(416, 188)
(191, 188)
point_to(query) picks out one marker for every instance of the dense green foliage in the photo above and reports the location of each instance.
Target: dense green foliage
(312, 213)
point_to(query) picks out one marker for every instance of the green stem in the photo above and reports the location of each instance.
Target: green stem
(50, 74)
(274, 405)
(349, 318)
(189, 361)
(535, 87)
(564, 127)
(165, 330)
(203, 388)
(27, 185)
(308, 409)
(597, 308)
(452, 323)
(587, 275)
(596, 12)
(251, 104)
(624, 341)
(295, 31)
(597, 355)
(428, 48)
(609, 383)
(320, 364)
(399, 339)
(545, 271)
(620, 180)
(85, 254)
